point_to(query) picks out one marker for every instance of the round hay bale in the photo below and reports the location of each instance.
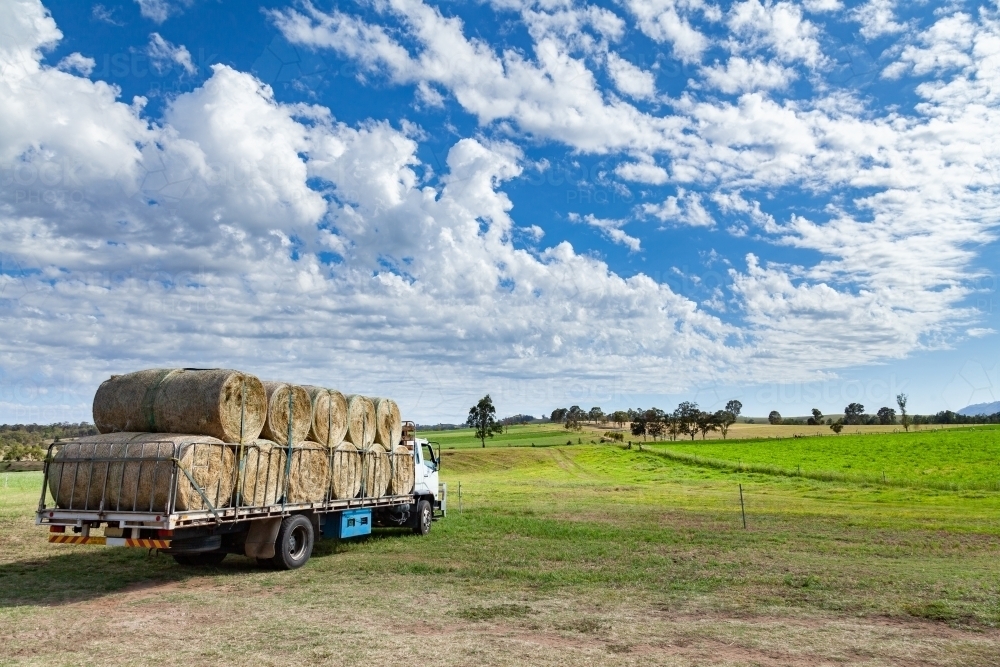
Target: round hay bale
(403, 471)
(136, 472)
(360, 421)
(82, 486)
(309, 476)
(329, 422)
(388, 423)
(262, 473)
(345, 476)
(280, 411)
(375, 471)
(224, 404)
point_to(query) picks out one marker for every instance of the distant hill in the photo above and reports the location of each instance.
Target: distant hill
(981, 409)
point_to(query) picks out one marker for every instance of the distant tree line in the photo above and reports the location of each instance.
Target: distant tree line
(686, 420)
(27, 442)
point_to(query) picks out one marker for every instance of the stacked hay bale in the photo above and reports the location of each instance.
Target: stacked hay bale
(235, 439)
(134, 472)
(262, 474)
(329, 421)
(224, 404)
(388, 423)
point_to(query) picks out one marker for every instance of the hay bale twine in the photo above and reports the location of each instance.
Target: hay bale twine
(309, 476)
(360, 421)
(403, 471)
(345, 476)
(138, 468)
(262, 474)
(329, 422)
(280, 412)
(223, 404)
(375, 471)
(388, 423)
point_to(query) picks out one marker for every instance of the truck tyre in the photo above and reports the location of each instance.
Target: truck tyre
(294, 544)
(203, 559)
(422, 519)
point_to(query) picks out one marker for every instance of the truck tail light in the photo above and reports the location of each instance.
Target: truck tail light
(57, 529)
(164, 533)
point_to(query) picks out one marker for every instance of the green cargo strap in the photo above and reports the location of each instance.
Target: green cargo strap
(149, 401)
(288, 457)
(197, 488)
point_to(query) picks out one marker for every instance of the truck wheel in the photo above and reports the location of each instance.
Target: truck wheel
(203, 559)
(422, 520)
(294, 544)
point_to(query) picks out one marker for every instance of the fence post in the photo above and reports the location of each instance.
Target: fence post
(743, 510)
(459, 497)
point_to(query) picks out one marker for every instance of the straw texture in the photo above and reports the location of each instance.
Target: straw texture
(137, 470)
(360, 421)
(345, 476)
(388, 423)
(376, 471)
(403, 471)
(329, 422)
(198, 402)
(278, 415)
(262, 472)
(309, 477)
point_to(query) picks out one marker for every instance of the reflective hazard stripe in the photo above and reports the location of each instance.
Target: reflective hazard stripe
(109, 541)
(148, 544)
(75, 539)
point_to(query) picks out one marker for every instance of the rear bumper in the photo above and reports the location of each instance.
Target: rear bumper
(101, 540)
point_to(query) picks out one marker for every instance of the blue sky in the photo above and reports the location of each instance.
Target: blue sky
(617, 204)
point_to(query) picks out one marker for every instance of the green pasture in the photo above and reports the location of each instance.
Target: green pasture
(520, 435)
(960, 459)
(584, 546)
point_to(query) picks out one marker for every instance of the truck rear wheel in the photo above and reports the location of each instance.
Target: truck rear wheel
(422, 519)
(294, 544)
(203, 559)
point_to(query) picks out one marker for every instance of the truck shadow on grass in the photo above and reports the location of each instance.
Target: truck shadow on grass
(89, 573)
(85, 575)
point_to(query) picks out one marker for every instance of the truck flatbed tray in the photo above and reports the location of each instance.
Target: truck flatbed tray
(207, 518)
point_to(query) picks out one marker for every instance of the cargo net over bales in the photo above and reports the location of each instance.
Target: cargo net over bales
(235, 477)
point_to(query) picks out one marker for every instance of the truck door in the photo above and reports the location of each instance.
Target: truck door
(427, 469)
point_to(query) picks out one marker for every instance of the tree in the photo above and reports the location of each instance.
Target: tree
(854, 414)
(837, 426)
(726, 418)
(638, 420)
(774, 417)
(483, 418)
(575, 417)
(686, 415)
(656, 423)
(816, 419)
(596, 415)
(904, 418)
(558, 415)
(707, 422)
(886, 416)
(619, 417)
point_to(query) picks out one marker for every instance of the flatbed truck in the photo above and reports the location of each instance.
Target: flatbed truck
(279, 535)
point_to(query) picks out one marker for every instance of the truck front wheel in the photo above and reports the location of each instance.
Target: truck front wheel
(422, 520)
(294, 544)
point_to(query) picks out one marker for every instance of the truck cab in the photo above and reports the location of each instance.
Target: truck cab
(427, 465)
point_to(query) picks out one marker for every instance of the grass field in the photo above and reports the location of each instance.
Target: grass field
(961, 459)
(583, 554)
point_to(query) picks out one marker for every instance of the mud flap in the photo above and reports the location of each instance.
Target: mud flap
(261, 538)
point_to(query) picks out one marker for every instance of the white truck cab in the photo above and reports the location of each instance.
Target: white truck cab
(427, 464)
